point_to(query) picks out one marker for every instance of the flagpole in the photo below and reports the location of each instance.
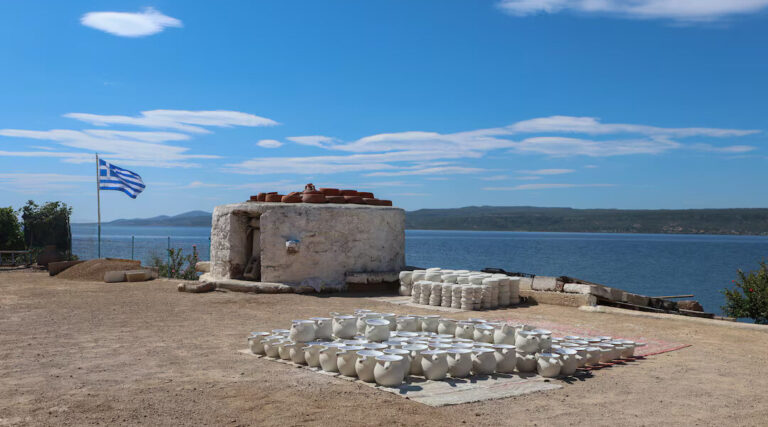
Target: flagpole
(98, 203)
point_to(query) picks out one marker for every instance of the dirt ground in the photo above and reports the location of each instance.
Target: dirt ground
(78, 353)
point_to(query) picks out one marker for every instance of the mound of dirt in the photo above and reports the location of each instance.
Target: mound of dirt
(93, 270)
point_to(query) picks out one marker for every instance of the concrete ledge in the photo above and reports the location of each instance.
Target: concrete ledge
(559, 298)
(703, 321)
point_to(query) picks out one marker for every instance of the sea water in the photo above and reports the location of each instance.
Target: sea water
(648, 264)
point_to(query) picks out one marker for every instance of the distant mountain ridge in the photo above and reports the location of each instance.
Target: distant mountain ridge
(737, 221)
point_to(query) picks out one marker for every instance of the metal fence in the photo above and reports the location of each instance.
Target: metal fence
(142, 248)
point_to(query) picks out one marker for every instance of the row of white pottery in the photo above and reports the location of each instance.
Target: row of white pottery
(302, 331)
(569, 360)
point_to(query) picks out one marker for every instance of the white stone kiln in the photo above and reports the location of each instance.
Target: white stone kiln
(305, 244)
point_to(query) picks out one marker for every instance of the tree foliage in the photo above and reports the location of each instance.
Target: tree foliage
(178, 265)
(11, 236)
(47, 225)
(749, 298)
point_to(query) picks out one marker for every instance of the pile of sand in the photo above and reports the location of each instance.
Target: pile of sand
(93, 270)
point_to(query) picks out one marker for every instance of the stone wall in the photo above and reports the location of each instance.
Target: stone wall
(328, 240)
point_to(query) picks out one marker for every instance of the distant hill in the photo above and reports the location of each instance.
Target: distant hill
(528, 218)
(186, 219)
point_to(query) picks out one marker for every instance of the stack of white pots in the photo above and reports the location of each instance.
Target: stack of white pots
(386, 348)
(464, 289)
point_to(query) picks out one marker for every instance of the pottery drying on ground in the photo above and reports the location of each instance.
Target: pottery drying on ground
(302, 330)
(506, 358)
(346, 358)
(377, 329)
(569, 361)
(483, 361)
(504, 334)
(389, 370)
(366, 362)
(548, 365)
(434, 364)
(459, 362)
(328, 356)
(344, 327)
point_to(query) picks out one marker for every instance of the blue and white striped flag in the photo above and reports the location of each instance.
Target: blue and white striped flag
(112, 177)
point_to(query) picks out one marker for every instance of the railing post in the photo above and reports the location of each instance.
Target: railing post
(168, 252)
(133, 239)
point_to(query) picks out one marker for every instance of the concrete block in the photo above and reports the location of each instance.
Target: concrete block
(542, 283)
(616, 294)
(559, 298)
(577, 288)
(203, 267)
(114, 276)
(136, 276)
(635, 299)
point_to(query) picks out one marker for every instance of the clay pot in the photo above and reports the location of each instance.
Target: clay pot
(483, 361)
(261, 197)
(459, 362)
(291, 199)
(256, 342)
(569, 359)
(368, 201)
(504, 334)
(330, 191)
(312, 353)
(506, 358)
(416, 350)
(365, 195)
(313, 198)
(296, 351)
(366, 363)
(254, 199)
(385, 202)
(344, 327)
(348, 193)
(323, 327)
(526, 362)
(389, 370)
(434, 364)
(335, 199)
(302, 330)
(346, 358)
(353, 199)
(377, 330)
(273, 198)
(328, 357)
(548, 365)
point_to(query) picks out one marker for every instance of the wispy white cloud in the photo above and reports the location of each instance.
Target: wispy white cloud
(590, 166)
(546, 171)
(130, 24)
(527, 178)
(269, 143)
(544, 187)
(130, 148)
(313, 140)
(732, 149)
(441, 170)
(181, 120)
(676, 10)
(495, 178)
(41, 182)
(558, 146)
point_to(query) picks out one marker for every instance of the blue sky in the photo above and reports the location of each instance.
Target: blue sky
(444, 103)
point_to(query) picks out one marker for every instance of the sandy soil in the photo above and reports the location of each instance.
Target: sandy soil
(76, 353)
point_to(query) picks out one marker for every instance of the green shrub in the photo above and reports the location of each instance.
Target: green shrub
(178, 266)
(11, 236)
(749, 299)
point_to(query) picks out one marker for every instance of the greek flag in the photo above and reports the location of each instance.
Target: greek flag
(112, 177)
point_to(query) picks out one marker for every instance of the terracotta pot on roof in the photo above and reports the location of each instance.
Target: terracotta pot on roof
(313, 198)
(336, 199)
(291, 199)
(385, 202)
(370, 201)
(261, 197)
(295, 193)
(254, 199)
(365, 195)
(349, 192)
(353, 199)
(274, 198)
(330, 191)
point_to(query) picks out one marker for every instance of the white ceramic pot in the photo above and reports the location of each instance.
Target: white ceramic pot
(302, 330)
(284, 349)
(504, 334)
(581, 356)
(377, 330)
(465, 330)
(430, 323)
(392, 319)
(312, 353)
(363, 317)
(256, 342)
(365, 363)
(272, 345)
(447, 327)
(388, 371)
(407, 324)
(283, 332)
(593, 355)
(506, 358)
(548, 365)
(484, 333)
(417, 276)
(327, 357)
(323, 327)
(346, 358)
(344, 327)
(629, 349)
(607, 352)
(434, 364)
(296, 353)
(526, 362)
(415, 350)
(569, 360)
(406, 355)
(527, 341)
(545, 340)
(483, 361)
(459, 362)
(418, 318)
